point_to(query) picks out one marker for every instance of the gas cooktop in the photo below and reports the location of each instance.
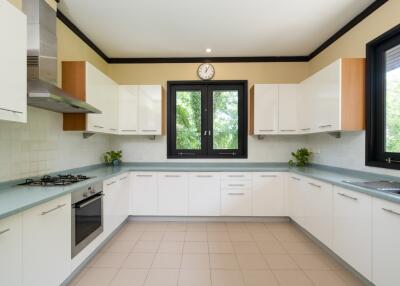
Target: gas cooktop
(59, 180)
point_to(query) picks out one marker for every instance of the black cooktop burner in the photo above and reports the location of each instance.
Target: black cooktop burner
(60, 180)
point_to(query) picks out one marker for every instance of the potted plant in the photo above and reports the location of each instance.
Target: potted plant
(113, 157)
(300, 158)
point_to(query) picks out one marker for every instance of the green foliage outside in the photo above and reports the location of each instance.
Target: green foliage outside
(393, 111)
(226, 117)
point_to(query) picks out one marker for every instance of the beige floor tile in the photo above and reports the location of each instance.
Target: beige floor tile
(240, 236)
(218, 236)
(311, 261)
(156, 226)
(196, 226)
(162, 277)
(111, 260)
(146, 246)
(324, 278)
(236, 226)
(170, 247)
(98, 277)
(195, 261)
(93, 261)
(279, 225)
(130, 277)
(271, 247)
(292, 278)
(139, 260)
(138, 225)
(196, 236)
(349, 278)
(128, 235)
(195, 247)
(223, 261)
(119, 246)
(78, 277)
(220, 247)
(259, 278)
(263, 236)
(290, 236)
(227, 278)
(174, 236)
(176, 226)
(246, 247)
(167, 260)
(216, 226)
(152, 236)
(280, 262)
(251, 261)
(194, 278)
(301, 248)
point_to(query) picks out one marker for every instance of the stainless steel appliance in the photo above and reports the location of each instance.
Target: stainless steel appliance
(384, 186)
(86, 216)
(42, 62)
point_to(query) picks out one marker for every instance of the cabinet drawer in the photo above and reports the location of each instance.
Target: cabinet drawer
(236, 184)
(236, 175)
(235, 202)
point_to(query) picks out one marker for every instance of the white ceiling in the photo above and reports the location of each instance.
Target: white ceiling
(231, 28)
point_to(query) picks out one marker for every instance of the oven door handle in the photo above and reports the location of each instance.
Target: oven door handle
(89, 202)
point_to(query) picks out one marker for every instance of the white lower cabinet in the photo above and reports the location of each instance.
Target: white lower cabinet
(123, 197)
(144, 193)
(11, 251)
(204, 194)
(318, 218)
(46, 243)
(385, 237)
(296, 198)
(352, 229)
(173, 195)
(268, 194)
(236, 194)
(110, 205)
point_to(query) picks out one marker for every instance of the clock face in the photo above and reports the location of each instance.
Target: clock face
(206, 71)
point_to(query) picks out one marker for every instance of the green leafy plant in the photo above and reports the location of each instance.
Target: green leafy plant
(111, 157)
(300, 158)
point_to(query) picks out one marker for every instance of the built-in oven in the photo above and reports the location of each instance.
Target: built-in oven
(87, 216)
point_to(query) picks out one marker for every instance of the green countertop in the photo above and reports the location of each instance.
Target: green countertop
(14, 198)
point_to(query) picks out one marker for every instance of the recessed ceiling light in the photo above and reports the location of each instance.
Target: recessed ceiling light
(208, 50)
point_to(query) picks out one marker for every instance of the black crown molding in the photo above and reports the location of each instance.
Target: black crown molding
(356, 20)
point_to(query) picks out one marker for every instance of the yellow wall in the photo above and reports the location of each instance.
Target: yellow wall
(352, 44)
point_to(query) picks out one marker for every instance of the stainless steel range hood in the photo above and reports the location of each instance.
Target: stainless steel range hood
(42, 62)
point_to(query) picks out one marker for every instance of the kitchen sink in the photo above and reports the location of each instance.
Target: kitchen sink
(384, 186)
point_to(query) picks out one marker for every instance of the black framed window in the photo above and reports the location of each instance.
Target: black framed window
(383, 101)
(207, 119)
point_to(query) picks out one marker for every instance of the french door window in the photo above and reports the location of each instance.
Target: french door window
(207, 119)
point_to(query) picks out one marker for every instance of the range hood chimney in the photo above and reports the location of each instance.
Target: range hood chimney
(42, 62)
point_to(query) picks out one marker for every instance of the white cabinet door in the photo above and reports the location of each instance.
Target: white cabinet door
(327, 84)
(110, 205)
(13, 106)
(266, 108)
(386, 251)
(123, 197)
(11, 251)
(112, 116)
(150, 105)
(46, 243)
(305, 108)
(288, 94)
(204, 194)
(352, 229)
(236, 202)
(128, 109)
(173, 195)
(144, 193)
(319, 210)
(268, 194)
(296, 197)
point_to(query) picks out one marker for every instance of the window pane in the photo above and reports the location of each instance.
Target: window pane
(188, 120)
(225, 119)
(392, 100)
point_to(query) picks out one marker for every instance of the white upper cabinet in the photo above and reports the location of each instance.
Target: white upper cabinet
(13, 67)
(352, 229)
(305, 108)
(288, 94)
(129, 109)
(150, 109)
(268, 194)
(265, 102)
(385, 237)
(11, 251)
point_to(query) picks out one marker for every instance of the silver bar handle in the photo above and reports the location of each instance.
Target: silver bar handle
(11, 110)
(98, 126)
(148, 130)
(228, 153)
(89, 202)
(294, 178)
(236, 185)
(347, 196)
(144, 176)
(112, 183)
(325, 126)
(205, 132)
(266, 130)
(305, 129)
(236, 194)
(4, 231)
(268, 176)
(172, 176)
(386, 210)
(113, 129)
(314, 185)
(53, 209)
(128, 130)
(287, 130)
(123, 178)
(235, 176)
(204, 176)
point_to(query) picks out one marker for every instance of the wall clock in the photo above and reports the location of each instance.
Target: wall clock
(206, 71)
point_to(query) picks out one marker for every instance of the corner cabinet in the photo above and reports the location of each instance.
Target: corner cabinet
(13, 72)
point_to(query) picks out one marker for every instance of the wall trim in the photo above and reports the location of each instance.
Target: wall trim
(300, 58)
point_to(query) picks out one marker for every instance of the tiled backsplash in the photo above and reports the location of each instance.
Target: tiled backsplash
(41, 146)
